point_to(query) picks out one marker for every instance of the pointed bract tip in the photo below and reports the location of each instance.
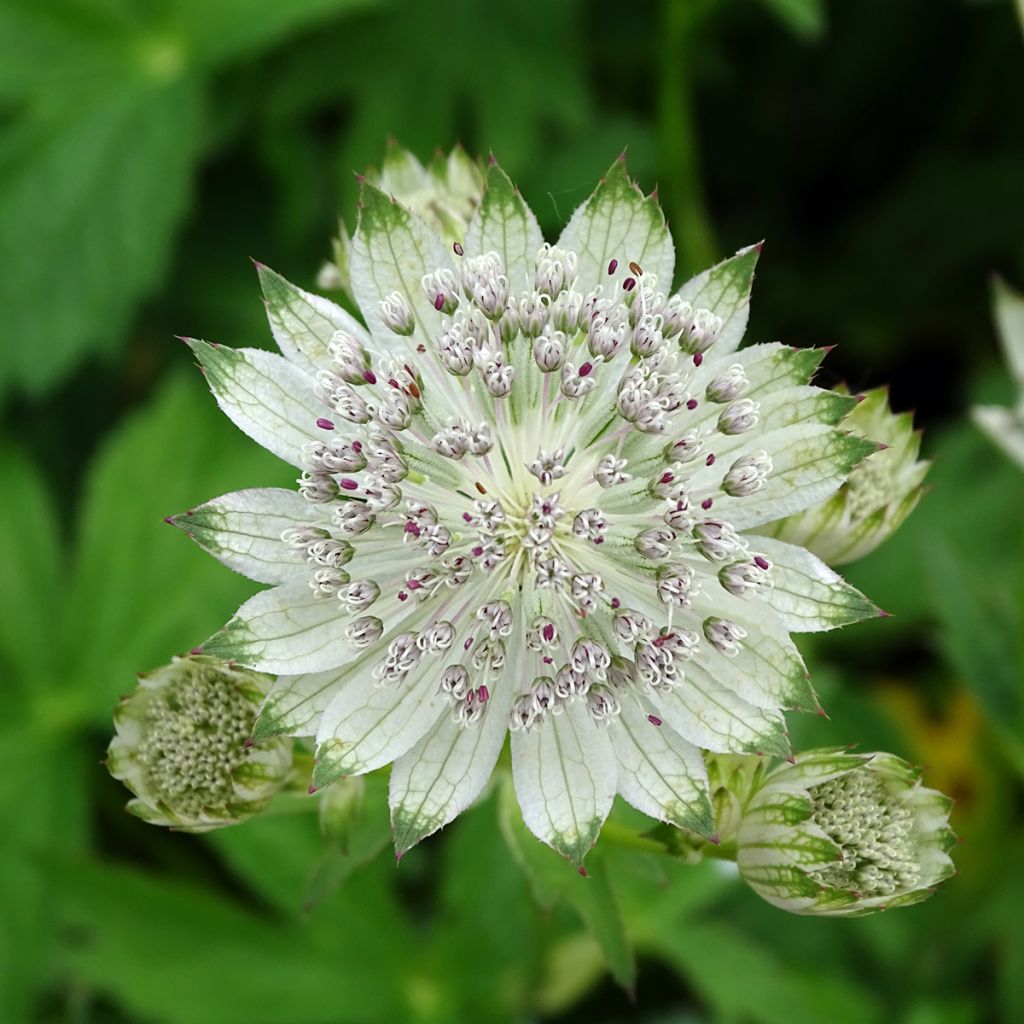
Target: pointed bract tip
(249, 742)
(714, 839)
(883, 614)
(758, 246)
(582, 872)
(257, 264)
(197, 650)
(790, 759)
(361, 178)
(313, 787)
(492, 160)
(170, 521)
(821, 713)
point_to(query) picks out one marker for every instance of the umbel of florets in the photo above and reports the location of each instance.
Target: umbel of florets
(532, 477)
(834, 832)
(182, 746)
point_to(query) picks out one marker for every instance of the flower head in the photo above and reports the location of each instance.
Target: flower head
(878, 495)
(528, 487)
(1006, 426)
(181, 746)
(838, 833)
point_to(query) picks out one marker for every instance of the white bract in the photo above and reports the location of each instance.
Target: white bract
(182, 746)
(836, 833)
(1006, 426)
(529, 481)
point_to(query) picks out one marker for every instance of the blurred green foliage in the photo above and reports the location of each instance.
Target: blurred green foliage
(147, 147)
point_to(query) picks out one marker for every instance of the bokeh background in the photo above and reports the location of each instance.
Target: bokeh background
(148, 148)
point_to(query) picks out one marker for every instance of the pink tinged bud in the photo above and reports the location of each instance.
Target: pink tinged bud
(349, 484)
(612, 266)
(439, 302)
(706, 504)
(761, 563)
(629, 284)
(325, 424)
(457, 249)
(654, 719)
(483, 694)
(369, 376)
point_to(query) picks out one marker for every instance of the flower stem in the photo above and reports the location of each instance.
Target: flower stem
(684, 193)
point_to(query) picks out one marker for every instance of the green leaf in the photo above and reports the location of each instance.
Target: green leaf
(138, 590)
(590, 893)
(211, 962)
(30, 562)
(725, 290)
(805, 18)
(94, 190)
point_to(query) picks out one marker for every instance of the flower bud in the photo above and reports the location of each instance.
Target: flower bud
(875, 499)
(181, 746)
(842, 834)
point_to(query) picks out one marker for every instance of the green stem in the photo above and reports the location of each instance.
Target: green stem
(684, 190)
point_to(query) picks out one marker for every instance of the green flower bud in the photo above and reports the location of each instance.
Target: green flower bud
(876, 497)
(842, 834)
(444, 194)
(1006, 426)
(181, 746)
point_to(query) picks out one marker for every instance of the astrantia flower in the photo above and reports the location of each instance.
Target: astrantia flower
(879, 494)
(842, 834)
(526, 495)
(181, 746)
(1006, 426)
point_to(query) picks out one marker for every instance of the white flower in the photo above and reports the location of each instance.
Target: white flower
(1006, 426)
(537, 539)
(879, 494)
(182, 746)
(837, 833)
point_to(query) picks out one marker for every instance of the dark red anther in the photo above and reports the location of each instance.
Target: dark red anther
(394, 383)
(325, 424)
(477, 551)
(667, 477)
(467, 517)
(411, 527)
(439, 302)
(585, 369)
(691, 404)
(548, 632)
(357, 446)
(710, 460)
(470, 697)
(612, 266)
(369, 376)
(698, 358)
(421, 348)
(761, 562)
(413, 389)
(457, 249)
(548, 660)
(616, 603)
(483, 694)
(480, 487)
(402, 596)
(706, 504)
(635, 268)
(629, 284)
(414, 584)
(654, 719)
(349, 484)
